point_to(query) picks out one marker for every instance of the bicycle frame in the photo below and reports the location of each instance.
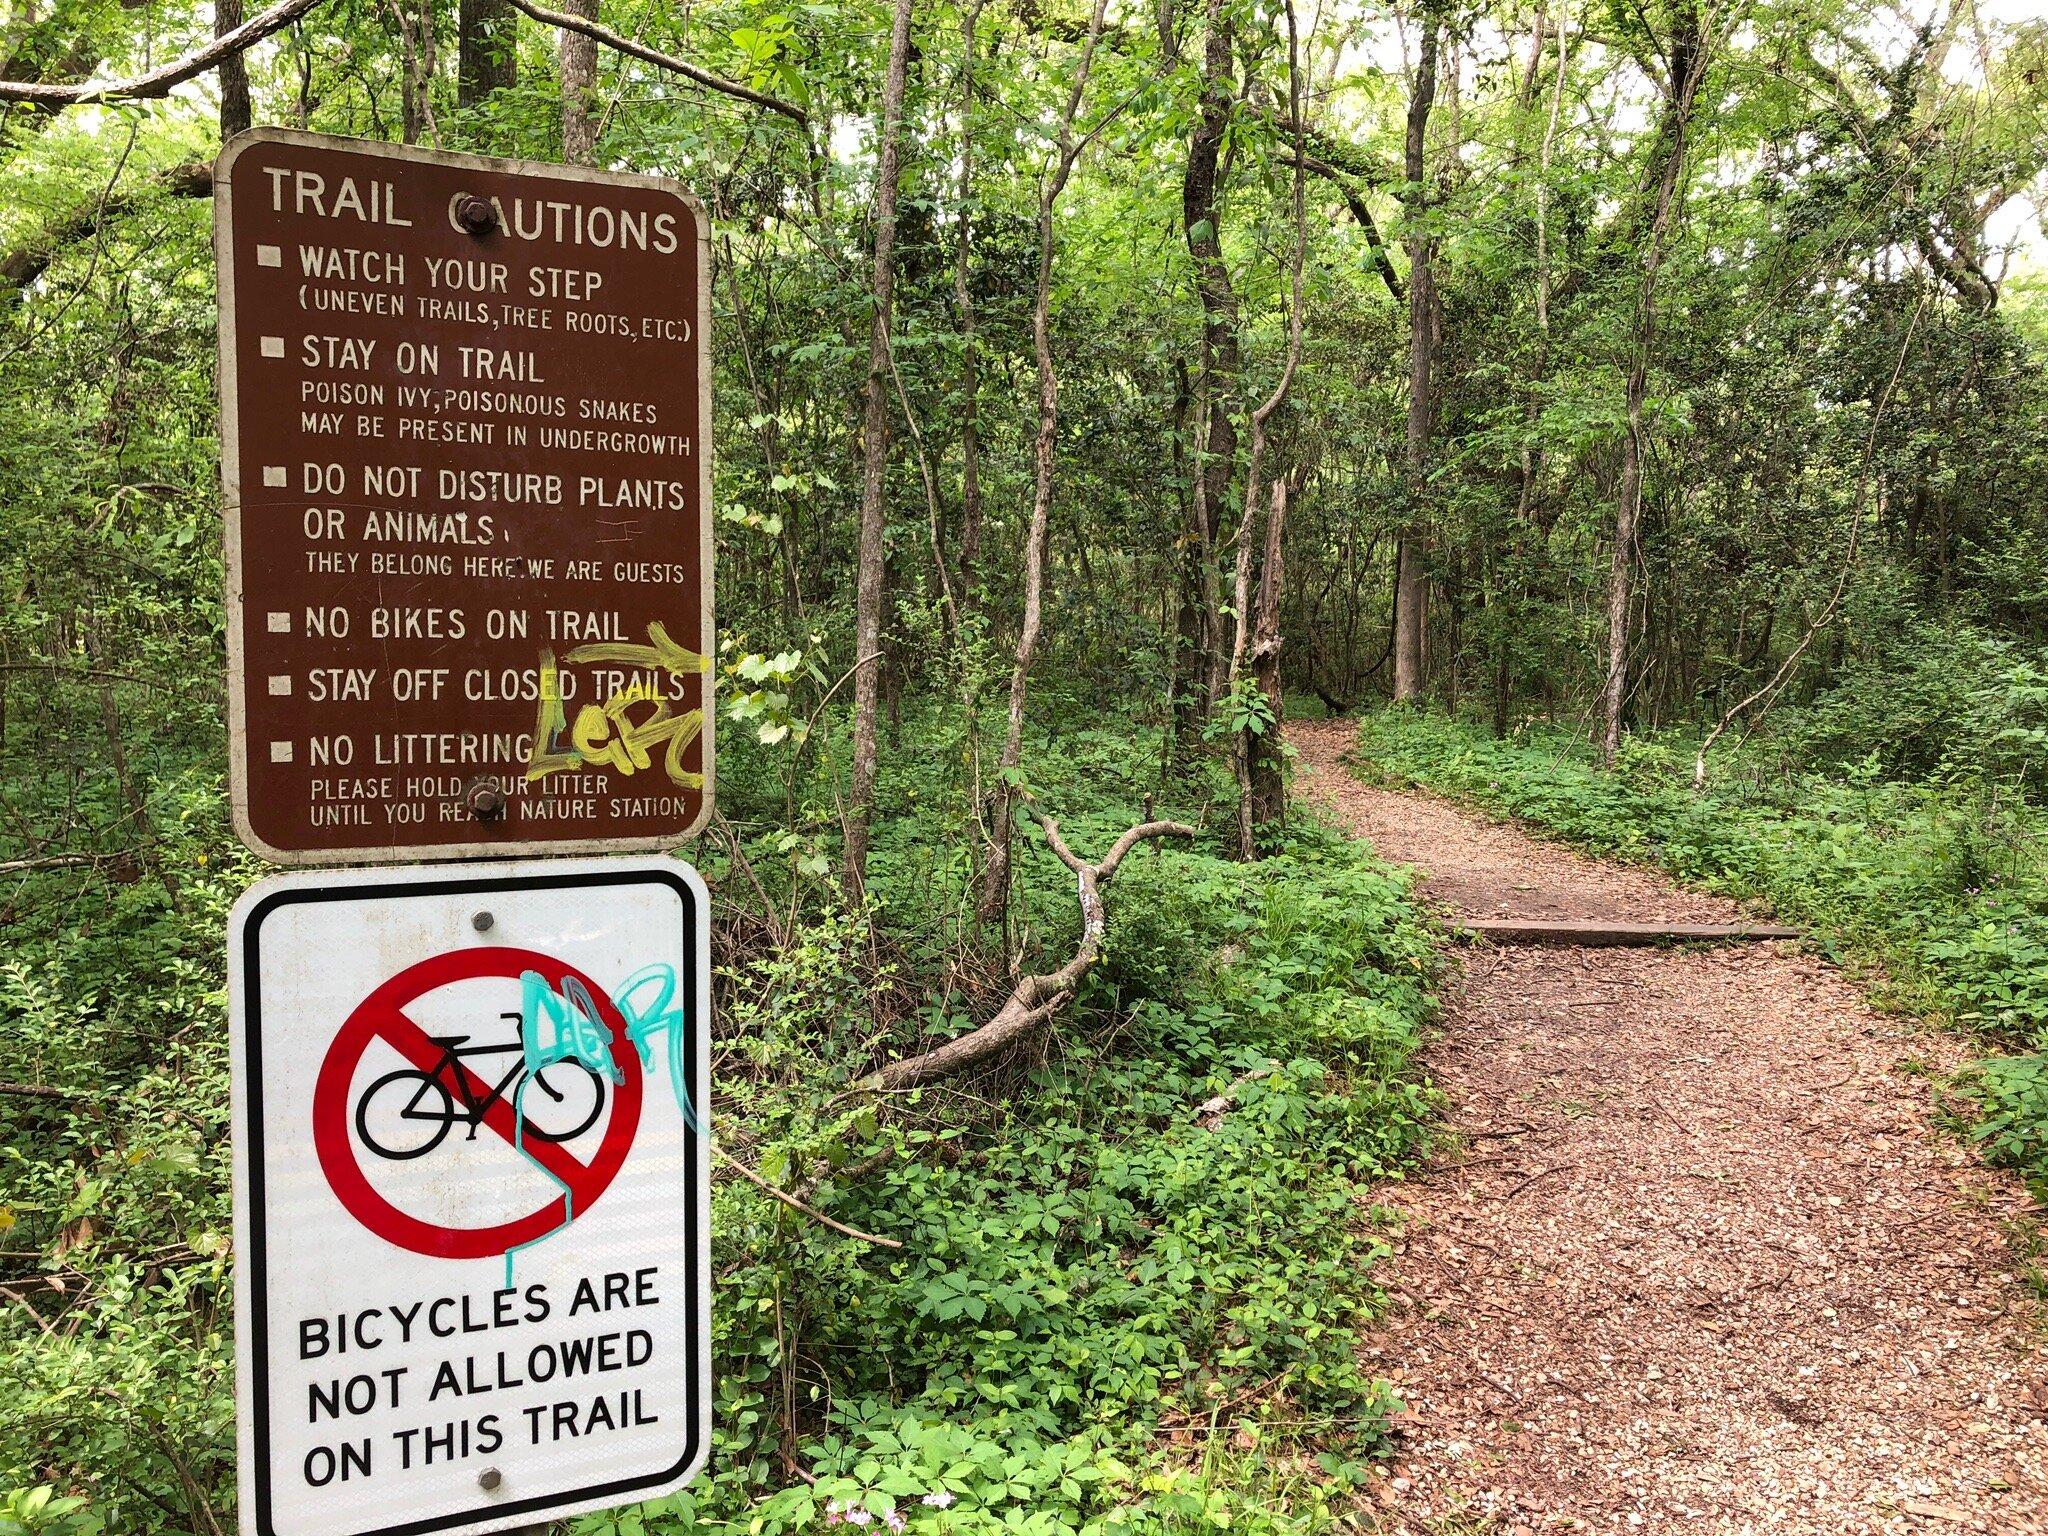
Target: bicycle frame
(454, 1051)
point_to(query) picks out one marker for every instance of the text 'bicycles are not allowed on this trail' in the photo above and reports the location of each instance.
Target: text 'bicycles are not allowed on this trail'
(474, 1193)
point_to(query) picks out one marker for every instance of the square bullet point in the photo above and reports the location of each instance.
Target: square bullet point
(280, 751)
(273, 474)
(273, 346)
(269, 256)
(280, 685)
(279, 623)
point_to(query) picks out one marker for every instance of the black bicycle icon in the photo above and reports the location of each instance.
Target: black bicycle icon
(407, 1113)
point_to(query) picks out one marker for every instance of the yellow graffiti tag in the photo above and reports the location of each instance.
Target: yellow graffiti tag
(608, 734)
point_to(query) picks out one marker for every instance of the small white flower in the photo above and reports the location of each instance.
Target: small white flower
(943, 1499)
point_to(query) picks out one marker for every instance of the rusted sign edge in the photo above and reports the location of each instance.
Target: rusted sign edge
(231, 500)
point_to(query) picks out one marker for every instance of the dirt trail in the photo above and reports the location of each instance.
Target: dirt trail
(1699, 1262)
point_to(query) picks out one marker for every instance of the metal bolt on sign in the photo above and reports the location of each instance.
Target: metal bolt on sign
(486, 801)
(476, 215)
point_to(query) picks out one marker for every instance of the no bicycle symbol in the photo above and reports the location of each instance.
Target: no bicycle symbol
(441, 1075)
(575, 1052)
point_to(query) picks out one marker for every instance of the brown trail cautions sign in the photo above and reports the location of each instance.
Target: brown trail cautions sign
(465, 440)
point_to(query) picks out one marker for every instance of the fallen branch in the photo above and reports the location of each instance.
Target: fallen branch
(795, 1204)
(1540, 1173)
(1210, 1112)
(846, 1174)
(158, 81)
(1036, 997)
(633, 48)
(28, 261)
(38, 1091)
(65, 861)
(29, 1307)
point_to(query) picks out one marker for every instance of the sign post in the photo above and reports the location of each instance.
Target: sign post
(466, 470)
(465, 438)
(472, 1193)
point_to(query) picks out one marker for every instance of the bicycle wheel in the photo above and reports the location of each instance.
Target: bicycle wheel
(404, 1114)
(562, 1101)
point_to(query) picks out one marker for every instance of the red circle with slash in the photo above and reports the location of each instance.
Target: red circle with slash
(382, 1016)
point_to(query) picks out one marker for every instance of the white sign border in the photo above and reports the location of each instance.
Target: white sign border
(245, 1052)
(231, 500)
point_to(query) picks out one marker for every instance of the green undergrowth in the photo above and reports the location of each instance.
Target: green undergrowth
(1934, 888)
(1108, 1312)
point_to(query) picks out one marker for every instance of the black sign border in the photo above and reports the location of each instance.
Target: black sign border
(695, 1218)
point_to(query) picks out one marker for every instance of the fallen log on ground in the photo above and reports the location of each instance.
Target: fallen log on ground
(1600, 932)
(1038, 996)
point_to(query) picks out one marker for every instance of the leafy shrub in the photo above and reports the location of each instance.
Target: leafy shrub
(2012, 1094)
(1928, 702)
(1098, 1289)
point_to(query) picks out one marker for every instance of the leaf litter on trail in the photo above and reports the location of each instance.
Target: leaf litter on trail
(1748, 1286)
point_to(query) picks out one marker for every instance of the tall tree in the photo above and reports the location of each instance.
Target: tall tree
(1685, 50)
(236, 113)
(577, 52)
(963, 304)
(871, 555)
(417, 64)
(487, 49)
(1411, 579)
(1255, 743)
(996, 879)
(1204, 661)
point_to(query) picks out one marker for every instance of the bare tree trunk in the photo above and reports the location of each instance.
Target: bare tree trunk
(872, 556)
(1268, 784)
(1411, 583)
(1687, 51)
(1627, 509)
(1532, 457)
(995, 889)
(578, 54)
(1216, 444)
(416, 61)
(487, 51)
(963, 303)
(236, 113)
(1244, 738)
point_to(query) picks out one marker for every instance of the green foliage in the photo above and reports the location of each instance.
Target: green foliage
(1099, 1284)
(2012, 1097)
(1097, 1261)
(1947, 703)
(1941, 884)
(1110, 1313)
(41, 1511)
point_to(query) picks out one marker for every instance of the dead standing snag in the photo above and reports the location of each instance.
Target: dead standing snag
(1036, 996)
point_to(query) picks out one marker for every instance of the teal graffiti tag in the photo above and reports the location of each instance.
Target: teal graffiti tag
(644, 1004)
(568, 1026)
